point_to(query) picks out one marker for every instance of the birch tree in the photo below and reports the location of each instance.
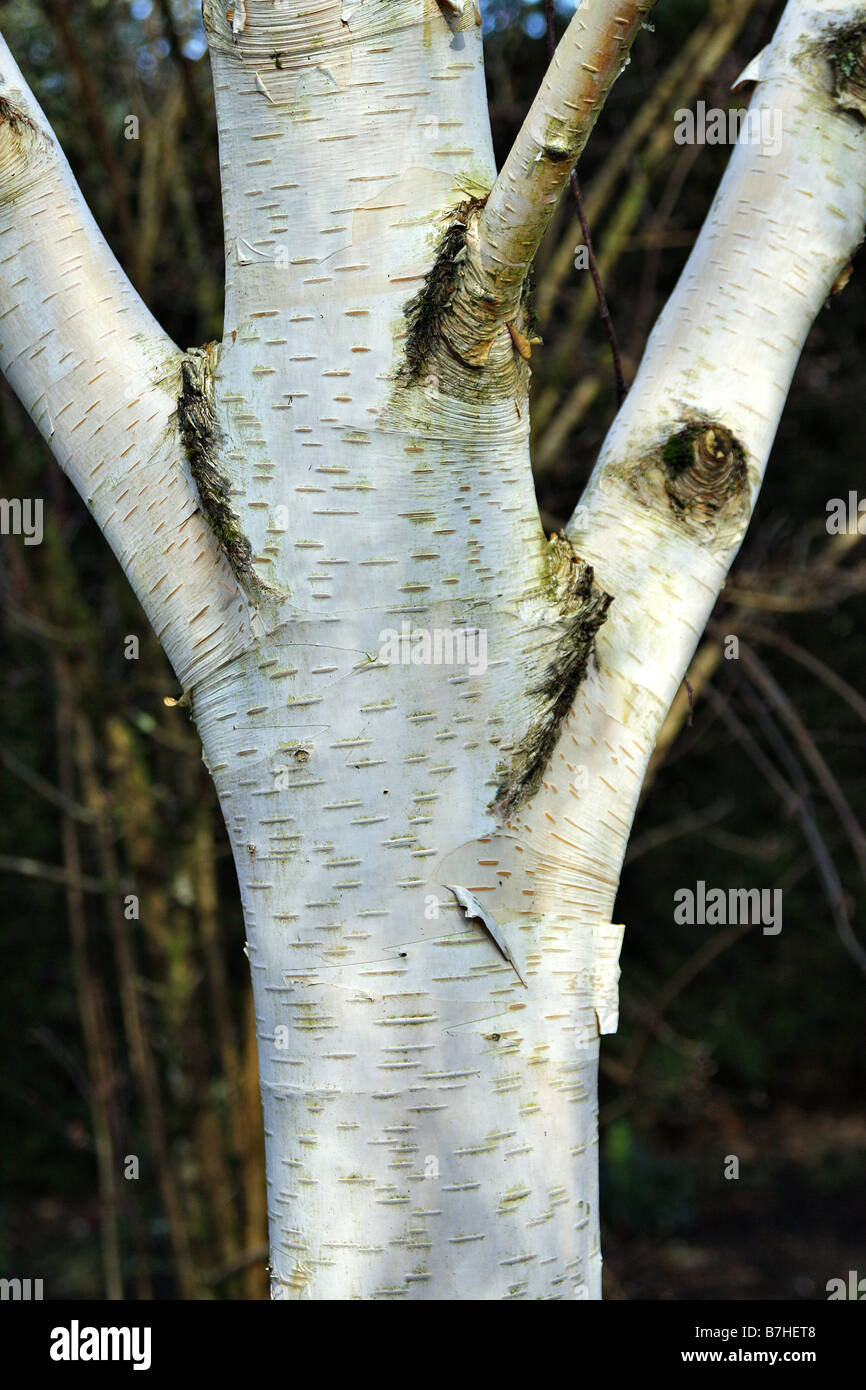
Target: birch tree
(427, 721)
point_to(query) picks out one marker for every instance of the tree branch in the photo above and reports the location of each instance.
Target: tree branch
(603, 309)
(504, 236)
(787, 218)
(101, 382)
(669, 501)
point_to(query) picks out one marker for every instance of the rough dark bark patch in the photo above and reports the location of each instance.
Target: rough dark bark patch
(705, 467)
(701, 473)
(15, 119)
(583, 607)
(425, 311)
(200, 434)
(848, 56)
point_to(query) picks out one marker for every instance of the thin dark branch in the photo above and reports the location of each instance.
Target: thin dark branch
(686, 824)
(60, 14)
(182, 62)
(812, 663)
(773, 693)
(43, 787)
(604, 311)
(52, 873)
(701, 958)
(796, 804)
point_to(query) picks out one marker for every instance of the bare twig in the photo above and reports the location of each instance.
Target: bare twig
(140, 1050)
(686, 824)
(92, 1021)
(703, 956)
(797, 805)
(94, 107)
(604, 312)
(812, 663)
(676, 86)
(53, 873)
(773, 692)
(43, 787)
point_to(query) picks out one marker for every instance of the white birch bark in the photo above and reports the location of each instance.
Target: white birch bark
(428, 1076)
(101, 382)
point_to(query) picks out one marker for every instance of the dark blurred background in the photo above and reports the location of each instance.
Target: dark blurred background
(127, 1039)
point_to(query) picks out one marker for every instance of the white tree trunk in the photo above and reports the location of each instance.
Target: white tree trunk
(429, 1102)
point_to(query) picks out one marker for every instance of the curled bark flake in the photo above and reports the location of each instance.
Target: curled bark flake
(236, 15)
(458, 14)
(522, 345)
(473, 909)
(841, 280)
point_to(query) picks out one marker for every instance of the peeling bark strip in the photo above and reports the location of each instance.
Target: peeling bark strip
(583, 608)
(200, 433)
(474, 910)
(236, 15)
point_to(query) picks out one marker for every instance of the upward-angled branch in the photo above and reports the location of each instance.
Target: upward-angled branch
(503, 240)
(586, 234)
(668, 503)
(101, 382)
